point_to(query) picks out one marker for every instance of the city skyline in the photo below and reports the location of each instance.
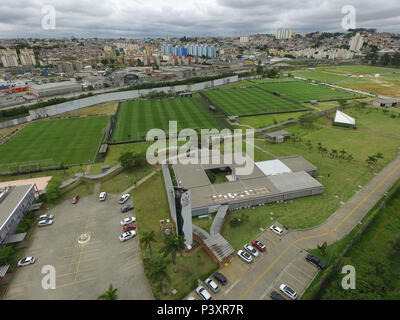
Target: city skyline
(221, 18)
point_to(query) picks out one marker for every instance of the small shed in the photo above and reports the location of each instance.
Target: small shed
(278, 136)
(385, 103)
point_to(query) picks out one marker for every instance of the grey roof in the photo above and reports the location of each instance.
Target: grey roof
(16, 238)
(298, 163)
(288, 182)
(11, 201)
(278, 133)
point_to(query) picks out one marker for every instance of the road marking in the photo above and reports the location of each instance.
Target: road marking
(77, 254)
(130, 267)
(80, 255)
(74, 283)
(68, 274)
(69, 264)
(303, 272)
(299, 281)
(318, 235)
(229, 289)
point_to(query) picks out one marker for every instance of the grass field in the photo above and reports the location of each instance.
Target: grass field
(136, 118)
(302, 92)
(67, 141)
(249, 101)
(327, 77)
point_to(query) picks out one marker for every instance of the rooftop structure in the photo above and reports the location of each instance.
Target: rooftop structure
(342, 119)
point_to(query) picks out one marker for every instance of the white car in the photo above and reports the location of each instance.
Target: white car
(45, 222)
(46, 216)
(128, 220)
(103, 196)
(26, 261)
(127, 235)
(212, 285)
(203, 293)
(251, 249)
(190, 297)
(276, 229)
(124, 198)
(288, 291)
(245, 256)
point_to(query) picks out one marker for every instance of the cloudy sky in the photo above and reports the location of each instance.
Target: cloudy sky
(160, 18)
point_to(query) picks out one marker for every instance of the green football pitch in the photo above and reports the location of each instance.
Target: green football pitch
(136, 118)
(248, 101)
(67, 141)
(301, 91)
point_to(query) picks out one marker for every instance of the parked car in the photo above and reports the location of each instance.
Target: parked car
(276, 229)
(75, 199)
(128, 220)
(190, 297)
(276, 296)
(259, 245)
(288, 291)
(129, 227)
(212, 285)
(220, 278)
(245, 256)
(45, 222)
(26, 261)
(126, 208)
(127, 235)
(316, 261)
(251, 250)
(203, 293)
(124, 198)
(45, 216)
(103, 196)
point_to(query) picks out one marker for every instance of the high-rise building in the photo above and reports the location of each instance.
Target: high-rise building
(27, 57)
(356, 42)
(282, 34)
(244, 39)
(9, 58)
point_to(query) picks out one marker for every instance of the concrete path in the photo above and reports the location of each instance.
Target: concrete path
(284, 260)
(140, 181)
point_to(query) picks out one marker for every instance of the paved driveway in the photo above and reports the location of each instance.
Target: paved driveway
(83, 271)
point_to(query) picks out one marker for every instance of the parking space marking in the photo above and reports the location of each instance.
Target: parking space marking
(74, 283)
(68, 274)
(131, 266)
(295, 278)
(301, 271)
(80, 256)
(77, 254)
(19, 284)
(229, 289)
(130, 257)
(72, 263)
(129, 249)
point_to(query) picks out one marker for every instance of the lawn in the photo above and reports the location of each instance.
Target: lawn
(136, 118)
(67, 141)
(152, 206)
(262, 121)
(340, 178)
(326, 77)
(302, 91)
(248, 101)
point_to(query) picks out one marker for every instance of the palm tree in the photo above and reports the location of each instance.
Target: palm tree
(371, 160)
(146, 239)
(342, 153)
(110, 294)
(349, 157)
(173, 245)
(159, 273)
(333, 153)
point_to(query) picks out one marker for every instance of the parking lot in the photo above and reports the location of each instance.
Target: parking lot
(292, 270)
(83, 271)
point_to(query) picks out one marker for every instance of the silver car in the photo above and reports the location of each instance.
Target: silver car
(26, 261)
(45, 222)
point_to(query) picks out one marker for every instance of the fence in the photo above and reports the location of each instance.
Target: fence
(109, 97)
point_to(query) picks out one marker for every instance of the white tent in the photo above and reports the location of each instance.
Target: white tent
(342, 119)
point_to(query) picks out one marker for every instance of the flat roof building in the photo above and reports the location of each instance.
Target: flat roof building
(269, 181)
(14, 204)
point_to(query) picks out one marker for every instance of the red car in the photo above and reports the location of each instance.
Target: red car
(129, 227)
(75, 199)
(259, 245)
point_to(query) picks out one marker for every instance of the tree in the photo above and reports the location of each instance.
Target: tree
(173, 245)
(146, 239)
(342, 153)
(371, 160)
(6, 254)
(110, 294)
(349, 157)
(322, 248)
(159, 273)
(53, 190)
(127, 159)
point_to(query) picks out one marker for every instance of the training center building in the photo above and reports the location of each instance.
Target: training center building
(270, 181)
(15, 202)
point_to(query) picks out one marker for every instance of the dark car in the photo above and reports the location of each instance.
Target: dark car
(127, 208)
(220, 278)
(276, 296)
(315, 261)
